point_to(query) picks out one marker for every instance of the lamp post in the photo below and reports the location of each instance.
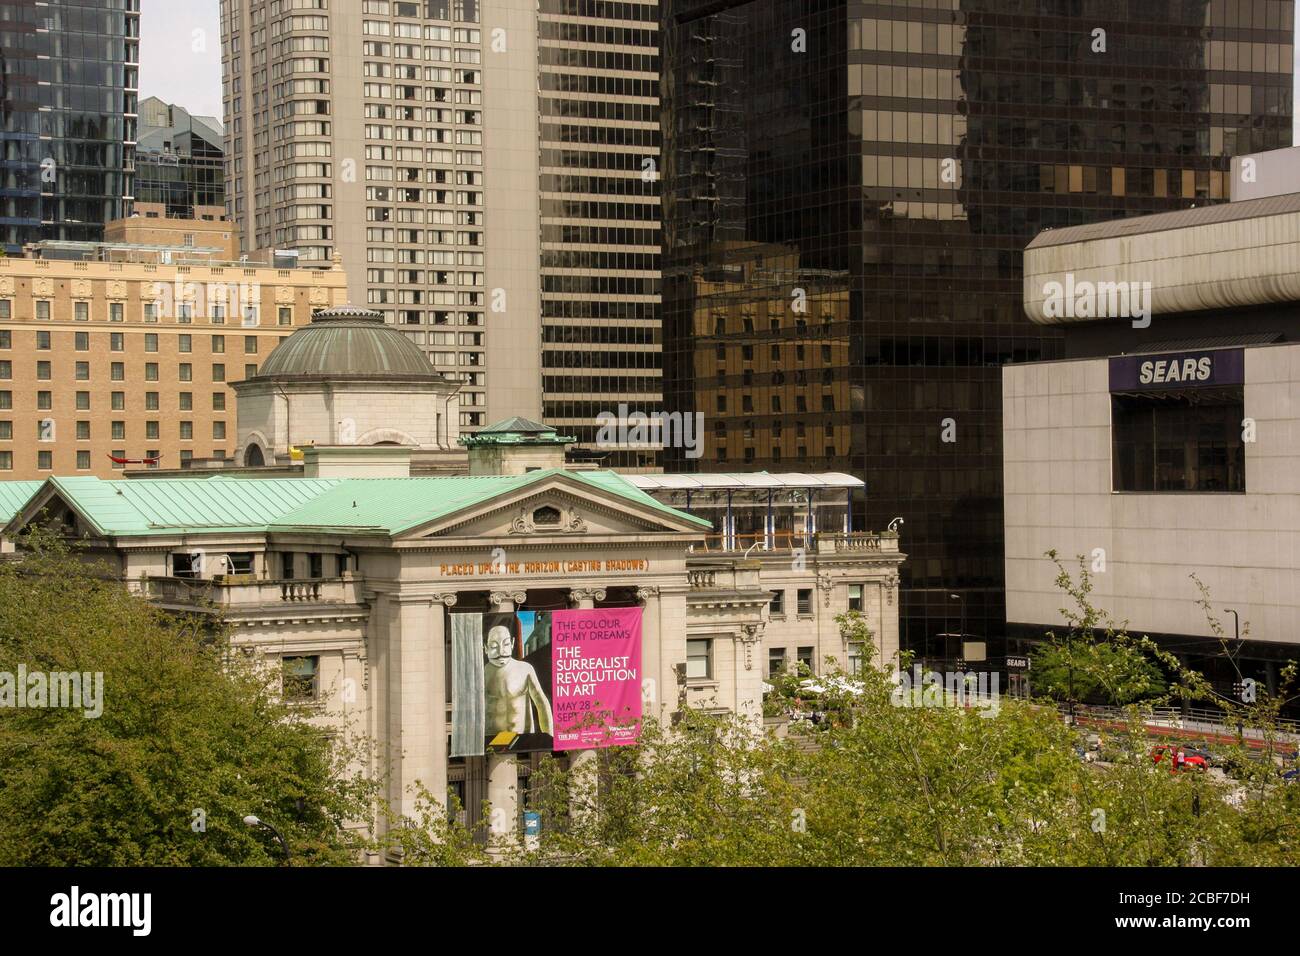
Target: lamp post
(255, 822)
(961, 638)
(1236, 650)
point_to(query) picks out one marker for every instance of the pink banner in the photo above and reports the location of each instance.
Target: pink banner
(596, 677)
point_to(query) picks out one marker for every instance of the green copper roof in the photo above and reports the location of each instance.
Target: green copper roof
(216, 504)
(347, 341)
(516, 431)
(13, 495)
(517, 424)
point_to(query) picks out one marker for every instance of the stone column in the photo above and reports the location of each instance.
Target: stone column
(502, 769)
(584, 785)
(409, 693)
(437, 782)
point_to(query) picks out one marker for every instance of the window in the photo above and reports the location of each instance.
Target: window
(81, 311)
(286, 565)
(185, 372)
(218, 344)
(151, 371)
(117, 371)
(6, 369)
(855, 657)
(219, 430)
(218, 401)
(186, 401)
(115, 311)
(240, 562)
(154, 456)
(116, 342)
(314, 566)
(6, 431)
(301, 678)
(151, 401)
(83, 371)
(83, 431)
(805, 657)
(218, 372)
(805, 601)
(185, 312)
(151, 312)
(119, 431)
(187, 432)
(775, 661)
(117, 401)
(43, 371)
(6, 399)
(250, 344)
(855, 597)
(218, 314)
(777, 607)
(151, 430)
(6, 339)
(187, 564)
(45, 460)
(151, 341)
(44, 400)
(699, 659)
(42, 340)
(286, 315)
(1189, 441)
(251, 317)
(83, 401)
(185, 343)
(83, 461)
(119, 454)
(81, 341)
(6, 461)
(43, 311)
(250, 371)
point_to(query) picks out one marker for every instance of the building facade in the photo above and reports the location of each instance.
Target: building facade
(502, 158)
(1165, 444)
(123, 354)
(69, 75)
(847, 193)
(180, 172)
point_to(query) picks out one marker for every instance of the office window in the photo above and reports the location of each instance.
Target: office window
(151, 430)
(83, 431)
(45, 460)
(217, 314)
(154, 456)
(1188, 442)
(218, 344)
(250, 344)
(6, 369)
(117, 401)
(184, 343)
(219, 431)
(6, 461)
(805, 657)
(187, 432)
(286, 315)
(6, 399)
(777, 606)
(151, 341)
(83, 461)
(856, 656)
(119, 431)
(151, 371)
(250, 371)
(186, 401)
(301, 678)
(81, 341)
(699, 659)
(83, 401)
(43, 371)
(42, 340)
(119, 454)
(43, 310)
(151, 401)
(218, 401)
(855, 597)
(44, 400)
(805, 601)
(6, 339)
(186, 456)
(116, 342)
(775, 661)
(117, 371)
(251, 317)
(185, 312)
(116, 311)
(185, 372)
(151, 312)
(6, 430)
(218, 372)
(81, 311)
(286, 565)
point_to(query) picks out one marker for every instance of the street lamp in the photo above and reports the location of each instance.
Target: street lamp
(255, 822)
(1232, 656)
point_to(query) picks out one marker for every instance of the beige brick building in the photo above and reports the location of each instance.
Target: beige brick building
(109, 351)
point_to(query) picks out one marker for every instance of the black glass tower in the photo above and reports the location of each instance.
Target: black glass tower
(847, 191)
(68, 82)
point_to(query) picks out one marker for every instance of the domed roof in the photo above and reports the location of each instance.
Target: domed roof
(347, 341)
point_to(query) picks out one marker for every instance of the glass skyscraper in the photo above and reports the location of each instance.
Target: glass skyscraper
(68, 88)
(847, 191)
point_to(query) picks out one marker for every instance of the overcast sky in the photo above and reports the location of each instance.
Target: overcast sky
(181, 51)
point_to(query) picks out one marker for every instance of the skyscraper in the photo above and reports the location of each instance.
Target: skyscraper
(501, 228)
(180, 171)
(847, 193)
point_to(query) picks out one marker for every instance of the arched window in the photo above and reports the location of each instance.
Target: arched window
(253, 456)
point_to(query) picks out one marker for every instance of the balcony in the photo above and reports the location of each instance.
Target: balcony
(235, 593)
(784, 541)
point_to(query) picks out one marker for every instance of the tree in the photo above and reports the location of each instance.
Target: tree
(190, 740)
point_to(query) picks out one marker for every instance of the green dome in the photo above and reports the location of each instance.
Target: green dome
(347, 341)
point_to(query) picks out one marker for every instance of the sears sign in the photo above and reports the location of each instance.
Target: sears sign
(1137, 373)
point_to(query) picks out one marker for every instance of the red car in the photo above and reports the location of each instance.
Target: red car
(1179, 759)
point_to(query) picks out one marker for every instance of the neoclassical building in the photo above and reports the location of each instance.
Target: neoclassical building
(360, 579)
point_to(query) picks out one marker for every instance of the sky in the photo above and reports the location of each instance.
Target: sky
(181, 53)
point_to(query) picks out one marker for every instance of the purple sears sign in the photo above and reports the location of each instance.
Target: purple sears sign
(1138, 373)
